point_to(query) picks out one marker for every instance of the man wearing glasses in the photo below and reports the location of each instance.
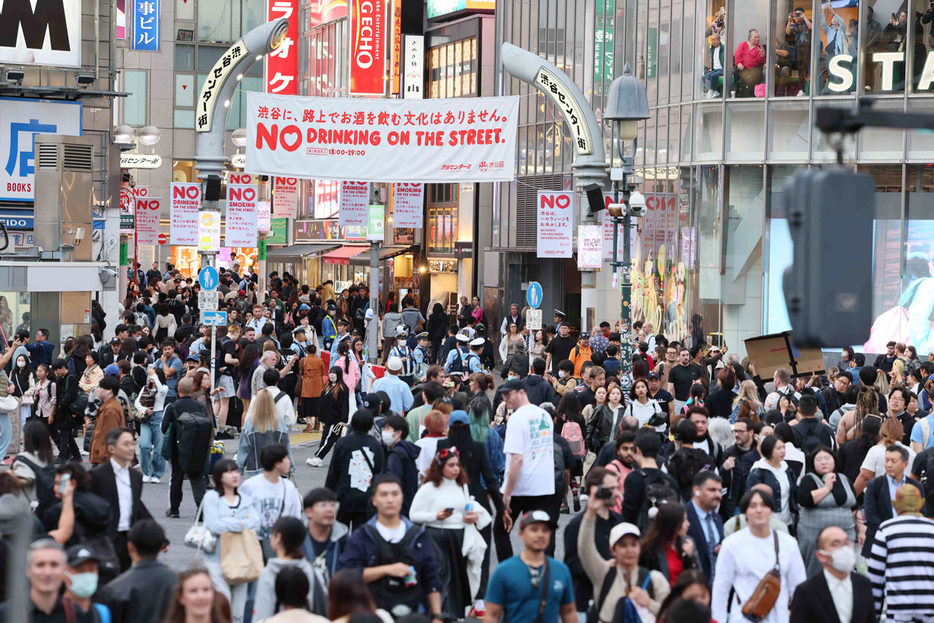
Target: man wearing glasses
(327, 537)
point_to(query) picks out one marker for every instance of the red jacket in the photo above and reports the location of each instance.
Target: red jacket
(746, 57)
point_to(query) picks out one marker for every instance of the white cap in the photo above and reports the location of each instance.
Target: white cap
(622, 529)
(394, 364)
(369, 314)
(478, 342)
(460, 337)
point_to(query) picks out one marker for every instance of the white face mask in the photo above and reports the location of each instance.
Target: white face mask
(332, 378)
(20, 364)
(389, 438)
(842, 559)
(562, 374)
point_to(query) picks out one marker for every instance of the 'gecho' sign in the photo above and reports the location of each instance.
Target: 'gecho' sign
(378, 140)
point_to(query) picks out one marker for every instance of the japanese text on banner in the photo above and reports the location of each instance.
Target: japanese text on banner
(148, 212)
(285, 197)
(241, 223)
(555, 216)
(407, 205)
(186, 198)
(379, 140)
(355, 201)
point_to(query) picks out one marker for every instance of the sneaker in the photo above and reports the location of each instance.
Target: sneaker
(147, 478)
(565, 510)
(171, 514)
(223, 435)
(314, 462)
(155, 480)
(710, 94)
(577, 501)
(476, 613)
(584, 498)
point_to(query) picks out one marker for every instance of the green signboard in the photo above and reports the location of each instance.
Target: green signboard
(278, 231)
(127, 223)
(652, 54)
(376, 225)
(603, 42)
(260, 250)
(124, 254)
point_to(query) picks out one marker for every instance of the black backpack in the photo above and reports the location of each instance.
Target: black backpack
(686, 463)
(45, 481)
(391, 593)
(642, 579)
(658, 491)
(193, 431)
(460, 362)
(559, 469)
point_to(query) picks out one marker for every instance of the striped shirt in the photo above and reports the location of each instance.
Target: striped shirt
(901, 568)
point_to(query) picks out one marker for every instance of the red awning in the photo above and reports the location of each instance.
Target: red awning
(341, 256)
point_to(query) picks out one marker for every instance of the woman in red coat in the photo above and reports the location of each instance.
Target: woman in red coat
(749, 60)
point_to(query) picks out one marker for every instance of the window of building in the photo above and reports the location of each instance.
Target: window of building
(226, 21)
(748, 32)
(322, 60)
(886, 37)
(712, 54)
(442, 218)
(452, 69)
(134, 105)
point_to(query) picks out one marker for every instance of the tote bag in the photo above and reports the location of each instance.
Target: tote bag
(241, 557)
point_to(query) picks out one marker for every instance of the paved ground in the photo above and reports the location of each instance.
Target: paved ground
(156, 498)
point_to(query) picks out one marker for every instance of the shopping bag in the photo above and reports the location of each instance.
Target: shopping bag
(241, 557)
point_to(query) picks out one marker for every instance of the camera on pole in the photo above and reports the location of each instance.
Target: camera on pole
(828, 287)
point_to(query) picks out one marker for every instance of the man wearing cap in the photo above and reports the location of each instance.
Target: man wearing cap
(422, 355)
(458, 354)
(108, 355)
(901, 567)
(520, 584)
(342, 326)
(81, 580)
(399, 392)
(559, 349)
(621, 576)
(329, 325)
(580, 353)
(402, 352)
(529, 481)
(559, 317)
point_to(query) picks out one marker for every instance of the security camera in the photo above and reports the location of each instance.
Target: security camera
(637, 204)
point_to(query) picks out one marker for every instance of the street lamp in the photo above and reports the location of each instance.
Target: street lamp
(627, 104)
(150, 135)
(238, 138)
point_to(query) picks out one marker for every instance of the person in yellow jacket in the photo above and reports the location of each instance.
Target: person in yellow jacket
(580, 353)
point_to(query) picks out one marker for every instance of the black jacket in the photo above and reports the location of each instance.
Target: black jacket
(437, 324)
(400, 462)
(810, 427)
(696, 532)
(479, 465)
(66, 390)
(198, 449)
(877, 504)
(334, 410)
(141, 594)
(720, 403)
(812, 602)
(104, 484)
(517, 362)
(734, 481)
(539, 390)
(338, 480)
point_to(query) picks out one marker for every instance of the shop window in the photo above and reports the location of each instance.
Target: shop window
(442, 218)
(184, 57)
(748, 30)
(886, 37)
(793, 31)
(744, 126)
(13, 306)
(708, 132)
(452, 69)
(712, 54)
(788, 130)
(838, 50)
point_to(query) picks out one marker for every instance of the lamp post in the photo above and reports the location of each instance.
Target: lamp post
(627, 104)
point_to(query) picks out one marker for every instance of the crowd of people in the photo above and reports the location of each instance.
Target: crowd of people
(695, 489)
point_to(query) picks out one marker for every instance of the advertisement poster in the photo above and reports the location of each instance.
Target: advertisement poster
(148, 213)
(379, 140)
(285, 197)
(282, 63)
(241, 224)
(20, 121)
(127, 209)
(660, 224)
(590, 246)
(408, 205)
(327, 198)
(263, 216)
(50, 35)
(186, 199)
(209, 230)
(355, 199)
(555, 214)
(367, 47)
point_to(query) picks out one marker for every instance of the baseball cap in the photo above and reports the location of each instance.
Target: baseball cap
(654, 375)
(394, 364)
(622, 529)
(584, 336)
(371, 401)
(369, 314)
(458, 417)
(512, 385)
(303, 307)
(241, 293)
(116, 340)
(78, 554)
(536, 516)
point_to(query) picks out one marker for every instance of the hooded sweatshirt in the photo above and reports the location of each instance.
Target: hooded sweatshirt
(391, 322)
(401, 464)
(265, 604)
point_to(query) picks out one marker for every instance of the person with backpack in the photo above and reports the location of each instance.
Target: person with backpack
(263, 426)
(809, 432)
(569, 424)
(563, 463)
(687, 461)
(401, 457)
(286, 539)
(34, 467)
(396, 557)
(644, 408)
(191, 432)
(648, 486)
(358, 458)
(772, 470)
(456, 362)
(620, 585)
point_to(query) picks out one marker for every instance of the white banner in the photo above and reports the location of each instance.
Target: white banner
(407, 207)
(263, 217)
(608, 236)
(555, 213)
(186, 199)
(355, 199)
(589, 246)
(285, 197)
(383, 140)
(209, 230)
(241, 226)
(148, 212)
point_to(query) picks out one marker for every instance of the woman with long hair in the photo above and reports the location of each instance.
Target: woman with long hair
(882, 382)
(539, 345)
(348, 594)
(23, 388)
(480, 409)
(451, 531)
(291, 593)
(351, 371)
(165, 325)
(286, 539)
(312, 370)
(852, 454)
(747, 392)
(666, 546)
(249, 361)
(891, 433)
(202, 391)
(334, 414)
(512, 337)
(691, 584)
(642, 407)
(151, 460)
(45, 392)
(262, 426)
(436, 428)
(37, 454)
(196, 601)
(826, 498)
(437, 328)
(604, 416)
(867, 403)
(227, 510)
(477, 312)
(568, 412)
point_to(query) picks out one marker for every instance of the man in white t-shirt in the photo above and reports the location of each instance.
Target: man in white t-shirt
(274, 495)
(529, 482)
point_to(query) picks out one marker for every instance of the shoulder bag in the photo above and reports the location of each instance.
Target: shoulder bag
(198, 536)
(241, 557)
(763, 599)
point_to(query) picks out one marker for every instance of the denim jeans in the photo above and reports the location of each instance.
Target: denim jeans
(150, 446)
(6, 432)
(710, 79)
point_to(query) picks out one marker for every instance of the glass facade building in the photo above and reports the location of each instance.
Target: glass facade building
(733, 89)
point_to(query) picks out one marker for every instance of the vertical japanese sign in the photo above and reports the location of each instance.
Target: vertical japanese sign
(555, 213)
(413, 69)
(186, 199)
(207, 99)
(241, 216)
(209, 230)
(147, 25)
(608, 236)
(263, 216)
(355, 197)
(367, 47)
(375, 228)
(590, 246)
(148, 212)
(285, 197)
(603, 42)
(282, 63)
(127, 210)
(396, 45)
(407, 205)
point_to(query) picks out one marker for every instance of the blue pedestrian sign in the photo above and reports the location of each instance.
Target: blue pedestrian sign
(208, 278)
(214, 318)
(533, 296)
